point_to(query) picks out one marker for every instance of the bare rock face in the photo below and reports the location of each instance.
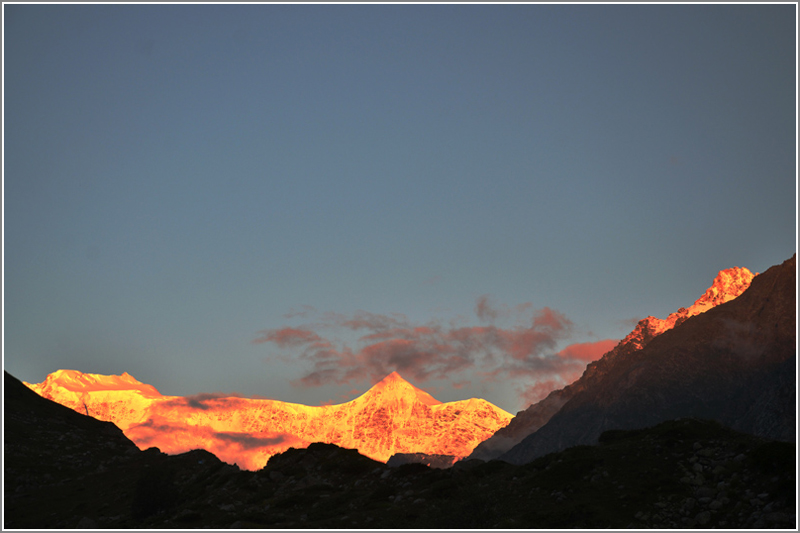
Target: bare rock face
(392, 417)
(733, 363)
(728, 284)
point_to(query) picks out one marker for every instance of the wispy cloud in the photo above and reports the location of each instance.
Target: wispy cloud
(206, 401)
(288, 337)
(166, 430)
(484, 310)
(567, 366)
(588, 351)
(435, 350)
(249, 441)
(537, 391)
(372, 321)
(489, 312)
(304, 311)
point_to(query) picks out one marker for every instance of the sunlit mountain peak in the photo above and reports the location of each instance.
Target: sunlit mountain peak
(395, 386)
(394, 376)
(77, 381)
(728, 284)
(393, 416)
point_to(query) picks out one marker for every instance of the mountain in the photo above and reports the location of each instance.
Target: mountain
(392, 417)
(65, 470)
(727, 285)
(733, 363)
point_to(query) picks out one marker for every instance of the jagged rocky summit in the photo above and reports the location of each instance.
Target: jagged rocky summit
(392, 417)
(727, 285)
(730, 357)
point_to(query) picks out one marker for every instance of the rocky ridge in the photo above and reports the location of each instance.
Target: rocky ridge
(727, 285)
(717, 364)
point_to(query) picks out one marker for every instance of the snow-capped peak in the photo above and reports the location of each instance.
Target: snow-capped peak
(395, 385)
(77, 381)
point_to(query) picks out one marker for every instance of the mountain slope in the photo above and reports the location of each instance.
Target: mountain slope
(65, 470)
(727, 285)
(712, 365)
(392, 417)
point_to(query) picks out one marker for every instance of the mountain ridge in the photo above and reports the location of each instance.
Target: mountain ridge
(711, 365)
(727, 285)
(393, 416)
(65, 470)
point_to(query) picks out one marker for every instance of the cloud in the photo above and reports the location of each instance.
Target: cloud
(489, 312)
(249, 441)
(207, 401)
(306, 310)
(484, 311)
(424, 352)
(566, 367)
(288, 337)
(168, 431)
(588, 351)
(373, 321)
(536, 392)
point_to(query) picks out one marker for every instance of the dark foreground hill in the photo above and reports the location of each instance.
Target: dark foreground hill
(66, 470)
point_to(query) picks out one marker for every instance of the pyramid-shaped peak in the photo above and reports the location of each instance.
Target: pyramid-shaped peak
(394, 381)
(394, 376)
(395, 385)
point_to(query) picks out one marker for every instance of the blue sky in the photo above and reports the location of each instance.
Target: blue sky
(276, 200)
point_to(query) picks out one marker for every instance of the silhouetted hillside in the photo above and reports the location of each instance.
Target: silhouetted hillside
(66, 470)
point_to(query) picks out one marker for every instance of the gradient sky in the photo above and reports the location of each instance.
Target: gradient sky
(285, 201)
